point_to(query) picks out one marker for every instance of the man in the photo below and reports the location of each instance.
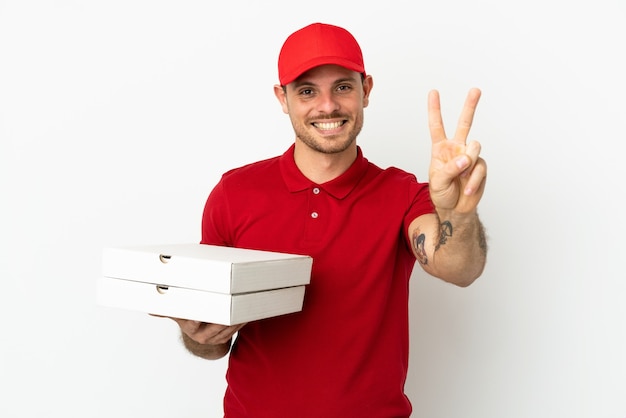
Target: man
(346, 354)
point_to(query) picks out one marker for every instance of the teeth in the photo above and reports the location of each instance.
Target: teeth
(328, 125)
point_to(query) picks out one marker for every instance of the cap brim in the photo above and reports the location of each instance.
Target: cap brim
(316, 62)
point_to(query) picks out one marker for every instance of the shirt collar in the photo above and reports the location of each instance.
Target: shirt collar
(339, 187)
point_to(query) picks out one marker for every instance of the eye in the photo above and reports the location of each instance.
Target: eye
(305, 92)
(344, 88)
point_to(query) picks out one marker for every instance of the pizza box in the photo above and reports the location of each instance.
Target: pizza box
(198, 305)
(207, 267)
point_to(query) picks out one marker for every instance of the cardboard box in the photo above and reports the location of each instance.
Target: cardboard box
(207, 283)
(216, 308)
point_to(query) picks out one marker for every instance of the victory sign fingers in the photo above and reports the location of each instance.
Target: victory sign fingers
(457, 172)
(435, 121)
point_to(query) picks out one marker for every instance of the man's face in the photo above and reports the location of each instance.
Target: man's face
(325, 106)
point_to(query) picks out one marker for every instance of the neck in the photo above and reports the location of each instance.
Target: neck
(320, 167)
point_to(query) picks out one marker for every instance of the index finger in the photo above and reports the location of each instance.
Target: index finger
(467, 116)
(435, 122)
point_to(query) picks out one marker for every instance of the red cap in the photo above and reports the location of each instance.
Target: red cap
(318, 44)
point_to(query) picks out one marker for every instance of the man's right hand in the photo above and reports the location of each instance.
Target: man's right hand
(204, 333)
(210, 341)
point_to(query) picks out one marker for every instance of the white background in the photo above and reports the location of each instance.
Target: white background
(118, 117)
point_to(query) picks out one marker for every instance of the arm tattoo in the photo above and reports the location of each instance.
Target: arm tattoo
(418, 247)
(445, 231)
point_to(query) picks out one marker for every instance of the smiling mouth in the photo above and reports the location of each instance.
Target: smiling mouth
(327, 126)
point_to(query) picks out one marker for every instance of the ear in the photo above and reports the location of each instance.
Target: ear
(368, 84)
(280, 94)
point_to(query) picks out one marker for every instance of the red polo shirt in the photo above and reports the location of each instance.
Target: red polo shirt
(346, 354)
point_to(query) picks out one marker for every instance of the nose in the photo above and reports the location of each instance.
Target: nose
(327, 103)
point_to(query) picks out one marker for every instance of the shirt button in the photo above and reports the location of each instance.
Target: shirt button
(314, 215)
(316, 190)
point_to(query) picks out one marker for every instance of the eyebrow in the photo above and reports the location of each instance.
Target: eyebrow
(305, 82)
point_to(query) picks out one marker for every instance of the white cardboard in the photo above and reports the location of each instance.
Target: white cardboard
(206, 267)
(211, 307)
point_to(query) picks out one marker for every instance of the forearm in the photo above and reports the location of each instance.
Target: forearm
(460, 248)
(450, 246)
(206, 351)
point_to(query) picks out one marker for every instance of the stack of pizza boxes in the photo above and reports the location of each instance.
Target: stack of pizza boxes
(206, 283)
